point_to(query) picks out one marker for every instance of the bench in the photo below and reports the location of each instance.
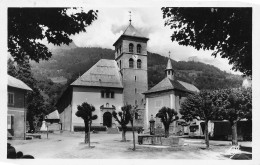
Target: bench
(150, 139)
(34, 136)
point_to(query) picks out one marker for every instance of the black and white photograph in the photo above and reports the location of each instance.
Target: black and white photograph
(168, 81)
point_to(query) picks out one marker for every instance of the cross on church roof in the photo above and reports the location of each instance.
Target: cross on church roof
(130, 17)
(169, 54)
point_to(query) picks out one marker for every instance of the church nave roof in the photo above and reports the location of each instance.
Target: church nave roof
(105, 73)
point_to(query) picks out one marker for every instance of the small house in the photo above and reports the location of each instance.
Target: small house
(16, 113)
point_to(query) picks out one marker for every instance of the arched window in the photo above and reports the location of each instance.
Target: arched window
(139, 63)
(139, 48)
(131, 47)
(131, 63)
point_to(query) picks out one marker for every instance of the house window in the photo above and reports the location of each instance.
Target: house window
(131, 63)
(139, 63)
(112, 95)
(135, 90)
(135, 78)
(102, 94)
(10, 121)
(139, 48)
(10, 98)
(131, 48)
(107, 94)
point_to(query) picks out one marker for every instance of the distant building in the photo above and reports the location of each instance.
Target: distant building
(16, 113)
(247, 83)
(53, 122)
(193, 58)
(60, 80)
(170, 92)
(110, 84)
(53, 117)
(188, 73)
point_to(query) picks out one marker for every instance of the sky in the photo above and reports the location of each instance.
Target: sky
(112, 21)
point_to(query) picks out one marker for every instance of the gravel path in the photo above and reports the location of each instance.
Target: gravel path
(109, 146)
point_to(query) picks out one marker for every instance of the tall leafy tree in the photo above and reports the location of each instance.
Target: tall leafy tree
(227, 31)
(27, 26)
(167, 116)
(123, 118)
(201, 106)
(85, 111)
(235, 104)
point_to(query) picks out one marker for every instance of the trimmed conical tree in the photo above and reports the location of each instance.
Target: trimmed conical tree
(167, 116)
(85, 111)
(123, 117)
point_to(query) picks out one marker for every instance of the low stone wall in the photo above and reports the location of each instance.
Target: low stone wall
(160, 140)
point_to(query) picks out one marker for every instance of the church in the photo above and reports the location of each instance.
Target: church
(111, 84)
(169, 92)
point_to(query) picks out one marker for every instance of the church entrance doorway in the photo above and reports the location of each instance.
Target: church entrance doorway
(107, 119)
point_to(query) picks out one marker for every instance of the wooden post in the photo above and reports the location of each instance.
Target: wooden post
(133, 134)
(89, 133)
(47, 130)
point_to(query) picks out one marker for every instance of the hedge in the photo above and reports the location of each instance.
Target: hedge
(92, 128)
(136, 128)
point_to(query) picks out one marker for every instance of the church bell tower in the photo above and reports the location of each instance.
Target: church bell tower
(131, 58)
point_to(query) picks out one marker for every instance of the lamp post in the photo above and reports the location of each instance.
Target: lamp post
(152, 129)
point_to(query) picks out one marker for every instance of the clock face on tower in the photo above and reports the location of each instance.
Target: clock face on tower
(135, 57)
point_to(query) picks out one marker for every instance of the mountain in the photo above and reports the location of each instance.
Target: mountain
(68, 64)
(54, 48)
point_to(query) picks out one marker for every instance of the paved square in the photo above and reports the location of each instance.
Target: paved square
(109, 146)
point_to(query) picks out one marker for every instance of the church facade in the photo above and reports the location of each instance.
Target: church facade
(110, 84)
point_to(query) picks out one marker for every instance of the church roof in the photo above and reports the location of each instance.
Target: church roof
(16, 83)
(132, 32)
(105, 73)
(169, 65)
(168, 84)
